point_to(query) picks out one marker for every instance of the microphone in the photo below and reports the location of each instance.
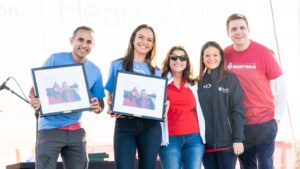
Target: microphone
(4, 83)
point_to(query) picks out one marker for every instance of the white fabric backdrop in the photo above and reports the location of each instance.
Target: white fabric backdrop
(31, 30)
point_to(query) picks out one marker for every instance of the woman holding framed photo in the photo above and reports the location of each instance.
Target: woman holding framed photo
(133, 133)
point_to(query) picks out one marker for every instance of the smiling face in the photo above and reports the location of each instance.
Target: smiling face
(82, 43)
(143, 93)
(238, 32)
(211, 58)
(143, 42)
(177, 66)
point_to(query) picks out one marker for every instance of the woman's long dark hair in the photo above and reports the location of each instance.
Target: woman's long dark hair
(129, 56)
(221, 70)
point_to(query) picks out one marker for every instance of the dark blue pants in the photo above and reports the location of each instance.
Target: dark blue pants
(259, 146)
(225, 159)
(139, 134)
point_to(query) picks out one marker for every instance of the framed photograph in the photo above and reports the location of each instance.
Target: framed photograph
(61, 89)
(139, 95)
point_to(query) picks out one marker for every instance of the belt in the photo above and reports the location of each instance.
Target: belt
(127, 117)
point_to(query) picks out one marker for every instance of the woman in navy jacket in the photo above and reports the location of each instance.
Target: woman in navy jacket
(221, 100)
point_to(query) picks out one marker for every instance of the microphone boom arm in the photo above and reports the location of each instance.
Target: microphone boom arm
(7, 88)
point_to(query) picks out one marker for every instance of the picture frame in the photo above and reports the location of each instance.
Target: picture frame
(139, 95)
(61, 89)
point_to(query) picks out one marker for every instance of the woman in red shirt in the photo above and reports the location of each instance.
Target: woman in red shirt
(183, 131)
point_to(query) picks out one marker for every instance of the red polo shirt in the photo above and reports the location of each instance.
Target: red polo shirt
(182, 115)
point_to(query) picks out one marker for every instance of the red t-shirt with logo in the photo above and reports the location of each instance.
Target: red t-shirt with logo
(182, 115)
(255, 67)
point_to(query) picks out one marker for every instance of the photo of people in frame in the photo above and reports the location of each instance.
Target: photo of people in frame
(139, 99)
(63, 93)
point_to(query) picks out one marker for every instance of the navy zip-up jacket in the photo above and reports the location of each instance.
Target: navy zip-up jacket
(223, 109)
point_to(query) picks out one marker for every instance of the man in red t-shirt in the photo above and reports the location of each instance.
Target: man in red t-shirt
(256, 69)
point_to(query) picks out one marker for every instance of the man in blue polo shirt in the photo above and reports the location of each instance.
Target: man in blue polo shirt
(62, 134)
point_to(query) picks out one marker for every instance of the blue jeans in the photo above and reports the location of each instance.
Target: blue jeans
(139, 134)
(259, 146)
(182, 151)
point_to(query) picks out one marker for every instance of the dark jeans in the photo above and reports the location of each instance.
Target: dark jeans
(139, 134)
(70, 144)
(225, 159)
(259, 146)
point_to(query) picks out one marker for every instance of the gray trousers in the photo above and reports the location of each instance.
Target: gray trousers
(70, 144)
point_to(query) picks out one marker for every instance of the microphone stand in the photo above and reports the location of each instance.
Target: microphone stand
(7, 88)
(36, 114)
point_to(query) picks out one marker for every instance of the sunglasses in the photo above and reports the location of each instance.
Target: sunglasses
(181, 58)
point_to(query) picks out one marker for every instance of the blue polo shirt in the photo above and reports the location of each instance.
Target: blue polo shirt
(138, 67)
(95, 85)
